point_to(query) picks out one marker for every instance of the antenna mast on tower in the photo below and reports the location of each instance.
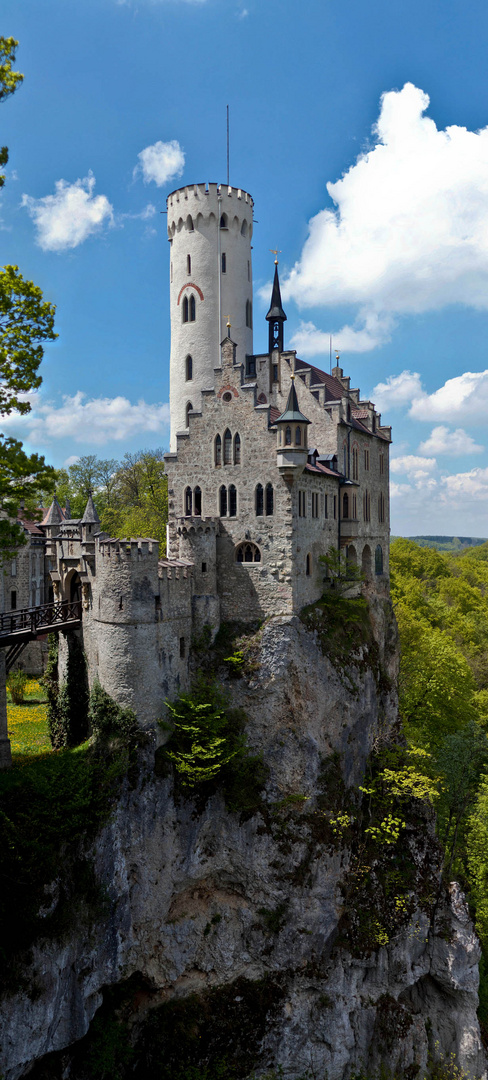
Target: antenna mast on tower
(227, 146)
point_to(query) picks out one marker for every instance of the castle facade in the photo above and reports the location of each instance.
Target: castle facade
(272, 463)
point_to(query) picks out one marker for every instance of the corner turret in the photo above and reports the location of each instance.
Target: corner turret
(90, 522)
(292, 437)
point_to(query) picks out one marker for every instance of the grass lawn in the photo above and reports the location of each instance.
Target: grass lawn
(27, 723)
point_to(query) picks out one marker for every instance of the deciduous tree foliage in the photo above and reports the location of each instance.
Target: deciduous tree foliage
(9, 81)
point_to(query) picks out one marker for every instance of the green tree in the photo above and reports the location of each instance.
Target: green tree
(139, 498)
(340, 572)
(461, 761)
(9, 81)
(89, 473)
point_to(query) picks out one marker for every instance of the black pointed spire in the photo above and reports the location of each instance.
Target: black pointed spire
(276, 316)
(292, 412)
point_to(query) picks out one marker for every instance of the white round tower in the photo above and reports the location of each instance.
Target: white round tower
(210, 230)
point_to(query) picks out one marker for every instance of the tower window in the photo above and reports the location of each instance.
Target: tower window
(192, 308)
(223, 501)
(218, 450)
(237, 449)
(298, 436)
(275, 372)
(248, 270)
(345, 505)
(308, 565)
(182, 648)
(269, 500)
(249, 314)
(189, 368)
(223, 221)
(244, 228)
(302, 504)
(188, 502)
(232, 501)
(189, 223)
(185, 309)
(250, 367)
(224, 262)
(288, 436)
(227, 447)
(13, 599)
(197, 494)
(188, 264)
(259, 500)
(189, 409)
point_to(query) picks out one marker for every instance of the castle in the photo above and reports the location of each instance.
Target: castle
(272, 463)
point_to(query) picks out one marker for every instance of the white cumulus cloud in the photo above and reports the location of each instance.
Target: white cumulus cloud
(460, 399)
(468, 485)
(443, 441)
(70, 216)
(369, 331)
(409, 232)
(160, 162)
(398, 390)
(87, 420)
(417, 468)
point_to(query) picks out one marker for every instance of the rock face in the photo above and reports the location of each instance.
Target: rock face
(258, 914)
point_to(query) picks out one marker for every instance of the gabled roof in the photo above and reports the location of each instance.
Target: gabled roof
(335, 389)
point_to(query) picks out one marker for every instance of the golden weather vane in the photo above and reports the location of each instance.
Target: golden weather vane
(276, 252)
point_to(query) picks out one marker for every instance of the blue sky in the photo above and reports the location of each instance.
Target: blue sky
(361, 131)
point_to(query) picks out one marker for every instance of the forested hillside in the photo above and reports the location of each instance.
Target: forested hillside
(441, 604)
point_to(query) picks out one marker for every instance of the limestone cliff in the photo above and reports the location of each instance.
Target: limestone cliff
(257, 938)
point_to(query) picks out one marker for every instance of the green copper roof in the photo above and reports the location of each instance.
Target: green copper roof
(292, 414)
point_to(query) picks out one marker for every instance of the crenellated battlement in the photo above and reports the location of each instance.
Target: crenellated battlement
(192, 206)
(135, 548)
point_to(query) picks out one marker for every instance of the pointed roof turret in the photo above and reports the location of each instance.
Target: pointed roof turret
(292, 414)
(276, 309)
(54, 515)
(90, 517)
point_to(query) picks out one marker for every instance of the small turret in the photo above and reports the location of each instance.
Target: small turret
(53, 519)
(292, 437)
(90, 522)
(276, 317)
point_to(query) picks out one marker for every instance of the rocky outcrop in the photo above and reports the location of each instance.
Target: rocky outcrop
(257, 918)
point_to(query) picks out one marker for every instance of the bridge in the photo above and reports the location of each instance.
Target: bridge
(19, 627)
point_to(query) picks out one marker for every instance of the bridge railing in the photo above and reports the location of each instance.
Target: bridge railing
(35, 618)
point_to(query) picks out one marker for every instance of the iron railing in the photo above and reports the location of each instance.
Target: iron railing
(37, 619)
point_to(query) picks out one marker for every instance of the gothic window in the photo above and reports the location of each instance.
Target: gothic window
(326, 514)
(259, 500)
(189, 368)
(185, 309)
(288, 436)
(298, 436)
(345, 460)
(189, 223)
(366, 460)
(13, 600)
(237, 449)
(223, 501)
(355, 463)
(335, 507)
(244, 228)
(188, 501)
(367, 506)
(378, 560)
(269, 500)
(224, 262)
(223, 221)
(315, 504)
(302, 504)
(249, 314)
(197, 499)
(248, 553)
(232, 501)
(227, 447)
(188, 264)
(218, 450)
(381, 507)
(354, 507)
(308, 565)
(192, 308)
(345, 505)
(382, 464)
(189, 409)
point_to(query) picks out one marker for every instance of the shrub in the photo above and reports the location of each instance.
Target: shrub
(203, 738)
(107, 719)
(16, 682)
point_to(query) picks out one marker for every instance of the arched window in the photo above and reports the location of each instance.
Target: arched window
(355, 463)
(223, 221)
(192, 308)
(232, 501)
(189, 223)
(259, 500)
(224, 262)
(269, 500)
(381, 507)
(189, 368)
(247, 553)
(249, 314)
(188, 501)
(288, 436)
(189, 409)
(227, 447)
(308, 565)
(188, 264)
(197, 502)
(378, 560)
(298, 436)
(13, 600)
(244, 228)
(218, 450)
(237, 449)
(345, 505)
(223, 501)
(185, 309)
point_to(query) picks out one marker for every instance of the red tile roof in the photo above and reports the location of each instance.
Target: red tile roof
(334, 388)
